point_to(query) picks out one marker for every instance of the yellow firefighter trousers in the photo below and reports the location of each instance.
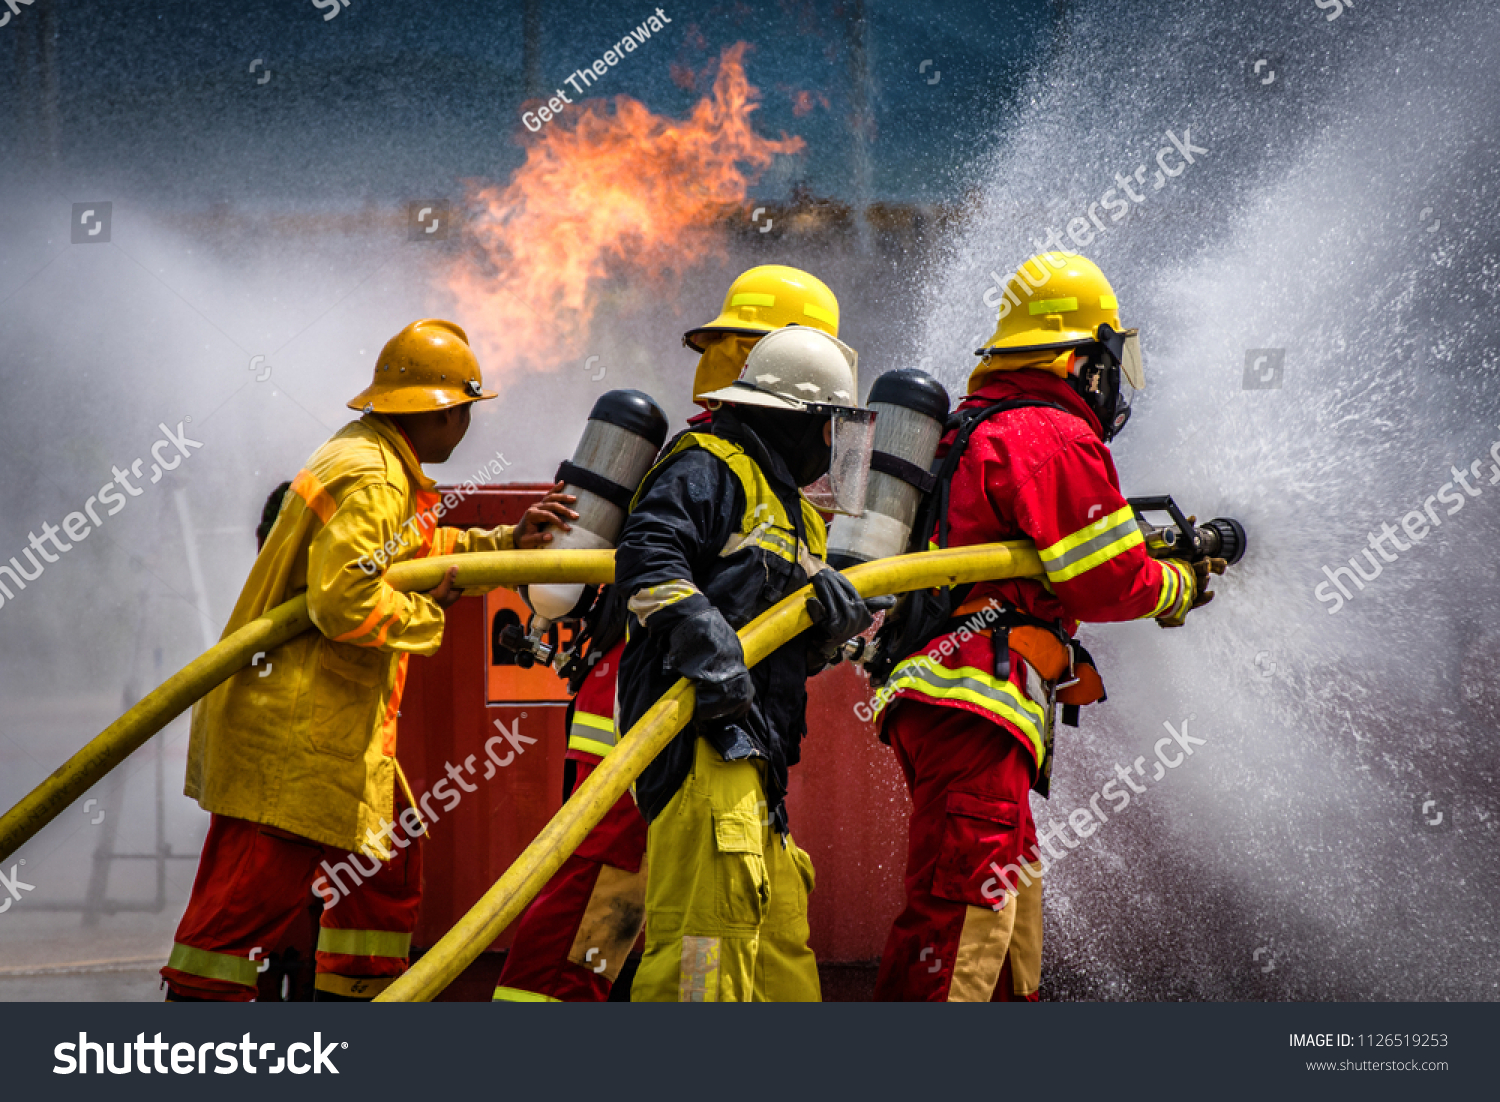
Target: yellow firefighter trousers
(726, 902)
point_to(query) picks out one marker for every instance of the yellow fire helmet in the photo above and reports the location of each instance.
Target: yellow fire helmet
(1060, 314)
(427, 366)
(1053, 299)
(768, 298)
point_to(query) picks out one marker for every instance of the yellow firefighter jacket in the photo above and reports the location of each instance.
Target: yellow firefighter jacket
(305, 740)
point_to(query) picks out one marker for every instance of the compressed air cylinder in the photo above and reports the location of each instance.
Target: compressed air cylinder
(910, 409)
(625, 430)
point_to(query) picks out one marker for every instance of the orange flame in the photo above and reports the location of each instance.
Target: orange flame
(623, 193)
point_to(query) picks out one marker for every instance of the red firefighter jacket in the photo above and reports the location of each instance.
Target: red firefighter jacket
(1045, 475)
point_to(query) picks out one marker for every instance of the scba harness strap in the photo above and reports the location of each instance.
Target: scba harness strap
(1066, 668)
(922, 616)
(1059, 659)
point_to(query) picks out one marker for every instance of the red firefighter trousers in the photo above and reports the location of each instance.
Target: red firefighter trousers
(574, 938)
(252, 882)
(969, 780)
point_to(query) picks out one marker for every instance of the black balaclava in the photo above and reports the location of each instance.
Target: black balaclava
(796, 437)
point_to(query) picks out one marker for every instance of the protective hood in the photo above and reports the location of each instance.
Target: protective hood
(795, 438)
(1034, 384)
(721, 363)
(1050, 360)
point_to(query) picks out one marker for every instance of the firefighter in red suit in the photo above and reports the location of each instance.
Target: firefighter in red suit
(970, 710)
(574, 938)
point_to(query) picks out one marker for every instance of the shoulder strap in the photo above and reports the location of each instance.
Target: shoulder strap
(678, 444)
(935, 508)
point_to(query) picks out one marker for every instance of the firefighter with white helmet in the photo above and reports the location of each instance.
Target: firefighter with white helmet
(720, 531)
(596, 901)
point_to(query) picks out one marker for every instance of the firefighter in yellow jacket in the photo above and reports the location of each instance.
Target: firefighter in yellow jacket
(295, 756)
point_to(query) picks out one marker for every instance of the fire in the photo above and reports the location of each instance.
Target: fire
(604, 193)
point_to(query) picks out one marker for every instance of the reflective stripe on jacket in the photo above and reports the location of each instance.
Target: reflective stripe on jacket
(713, 525)
(1045, 475)
(592, 731)
(305, 740)
(926, 677)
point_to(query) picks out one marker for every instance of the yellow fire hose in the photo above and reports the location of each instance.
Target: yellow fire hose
(503, 903)
(286, 621)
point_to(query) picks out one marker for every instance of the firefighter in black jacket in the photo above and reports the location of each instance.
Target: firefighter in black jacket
(719, 533)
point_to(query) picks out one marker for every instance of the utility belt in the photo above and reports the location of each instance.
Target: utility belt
(1059, 670)
(1062, 662)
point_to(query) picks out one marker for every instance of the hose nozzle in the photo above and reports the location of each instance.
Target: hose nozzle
(1221, 538)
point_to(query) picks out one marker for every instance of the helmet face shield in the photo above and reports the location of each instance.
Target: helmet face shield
(1124, 347)
(842, 489)
(1130, 360)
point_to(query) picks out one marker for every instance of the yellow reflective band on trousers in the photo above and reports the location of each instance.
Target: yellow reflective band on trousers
(968, 685)
(983, 943)
(726, 901)
(1090, 546)
(364, 943)
(516, 995)
(213, 966)
(591, 734)
(1026, 938)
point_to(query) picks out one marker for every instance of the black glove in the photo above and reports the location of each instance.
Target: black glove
(837, 609)
(704, 649)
